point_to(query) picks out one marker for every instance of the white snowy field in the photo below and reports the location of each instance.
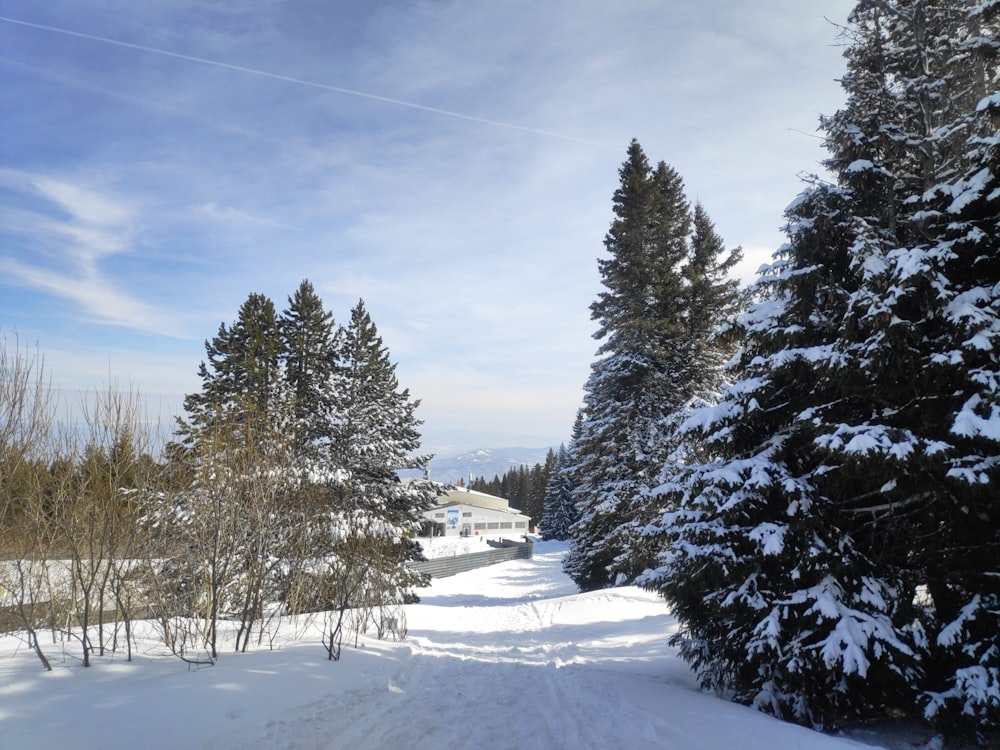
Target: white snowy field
(508, 656)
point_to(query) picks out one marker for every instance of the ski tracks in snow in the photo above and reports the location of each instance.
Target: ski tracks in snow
(515, 661)
(510, 676)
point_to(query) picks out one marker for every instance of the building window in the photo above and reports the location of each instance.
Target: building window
(520, 525)
(467, 514)
(506, 525)
(480, 526)
(439, 515)
(492, 525)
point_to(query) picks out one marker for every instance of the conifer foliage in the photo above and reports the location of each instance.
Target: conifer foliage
(663, 286)
(289, 462)
(312, 340)
(838, 555)
(373, 434)
(560, 510)
(242, 374)
(559, 514)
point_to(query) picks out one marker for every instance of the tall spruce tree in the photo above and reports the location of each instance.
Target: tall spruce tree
(700, 351)
(311, 339)
(713, 297)
(242, 375)
(374, 434)
(642, 278)
(538, 481)
(647, 362)
(858, 450)
(921, 340)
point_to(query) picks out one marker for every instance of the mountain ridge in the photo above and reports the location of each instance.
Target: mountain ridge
(483, 462)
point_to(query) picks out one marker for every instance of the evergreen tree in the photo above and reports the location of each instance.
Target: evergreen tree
(713, 298)
(560, 510)
(311, 340)
(242, 374)
(374, 434)
(492, 487)
(513, 485)
(921, 340)
(642, 276)
(857, 451)
(700, 351)
(650, 361)
(538, 481)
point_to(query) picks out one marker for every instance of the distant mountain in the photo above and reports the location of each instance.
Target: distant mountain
(485, 462)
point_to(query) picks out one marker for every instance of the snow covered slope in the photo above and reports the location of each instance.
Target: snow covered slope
(508, 656)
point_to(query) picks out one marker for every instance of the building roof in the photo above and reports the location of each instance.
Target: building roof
(465, 496)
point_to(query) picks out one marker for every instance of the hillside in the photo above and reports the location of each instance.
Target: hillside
(484, 462)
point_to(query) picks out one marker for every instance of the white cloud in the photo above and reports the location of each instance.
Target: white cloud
(231, 214)
(83, 204)
(181, 187)
(72, 232)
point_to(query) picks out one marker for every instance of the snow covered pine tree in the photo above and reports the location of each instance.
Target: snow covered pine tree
(841, 556)
(560, 510)
(242, 375)
(311, 340)
(650, 362)
(375, 434)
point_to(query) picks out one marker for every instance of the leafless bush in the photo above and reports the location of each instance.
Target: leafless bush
(26, 419)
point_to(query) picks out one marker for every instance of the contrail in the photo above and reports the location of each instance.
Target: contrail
(302, 82)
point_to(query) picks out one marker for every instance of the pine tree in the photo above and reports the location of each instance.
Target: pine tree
(311, 340)
(700, 351)
(242, 375)
(764, 579)
(642, 276)
(538, 481)
(921, 340)
(374, 435)
(713, 298)
(857, 450)
(492, 487)
(650, 362)
(559, 513)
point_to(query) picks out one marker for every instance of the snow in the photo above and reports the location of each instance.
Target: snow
(449, 546)
(860, 165)
(770, 537)
(968, 191)
(969, 423)
(508, 656)
(993, 100)
(869, 438)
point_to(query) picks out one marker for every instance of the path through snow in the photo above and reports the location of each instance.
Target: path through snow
(502, 657)
(512, 657)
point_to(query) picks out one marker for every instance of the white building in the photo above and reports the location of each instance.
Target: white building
(464, 512)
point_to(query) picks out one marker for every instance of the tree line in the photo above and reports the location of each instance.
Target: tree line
(278, 495)
(808, 472)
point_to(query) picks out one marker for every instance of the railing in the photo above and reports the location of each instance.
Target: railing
(442, 567)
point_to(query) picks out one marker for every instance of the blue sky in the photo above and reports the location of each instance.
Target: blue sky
(451, 162)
